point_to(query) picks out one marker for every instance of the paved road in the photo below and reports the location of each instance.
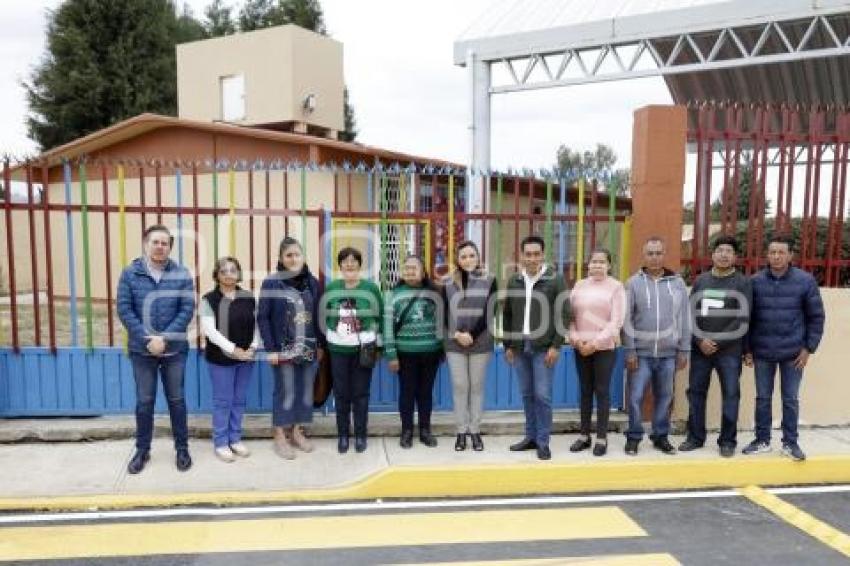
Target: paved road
(775, 527)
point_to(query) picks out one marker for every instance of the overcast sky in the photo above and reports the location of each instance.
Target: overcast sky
(406, 92)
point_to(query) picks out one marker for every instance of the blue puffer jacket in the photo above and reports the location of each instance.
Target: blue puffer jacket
(787, 315)
(144, 313)
(283, 308)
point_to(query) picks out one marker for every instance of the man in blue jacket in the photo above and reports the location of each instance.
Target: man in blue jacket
(785, 329)
(156, 302)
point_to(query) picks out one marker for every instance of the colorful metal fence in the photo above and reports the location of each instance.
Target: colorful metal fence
(772, 169)
(81, 368)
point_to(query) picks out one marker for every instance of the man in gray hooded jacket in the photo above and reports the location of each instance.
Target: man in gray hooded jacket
(657, 342)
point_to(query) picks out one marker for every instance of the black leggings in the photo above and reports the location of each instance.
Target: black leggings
(594, 373)
(416, 376)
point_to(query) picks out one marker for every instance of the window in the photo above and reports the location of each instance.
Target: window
(233, 98)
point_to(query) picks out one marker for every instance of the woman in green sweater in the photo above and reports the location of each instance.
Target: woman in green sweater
(413, 348)
(353, 311)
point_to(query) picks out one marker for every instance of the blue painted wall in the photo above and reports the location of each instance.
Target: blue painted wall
(35, 383)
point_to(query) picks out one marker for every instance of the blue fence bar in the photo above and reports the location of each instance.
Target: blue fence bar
(78, 382)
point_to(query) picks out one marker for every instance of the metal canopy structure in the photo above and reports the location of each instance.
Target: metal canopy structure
(785, 51)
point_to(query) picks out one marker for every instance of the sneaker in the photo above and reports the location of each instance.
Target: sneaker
(793, 451)
(756, 447)
(225, 454)
(726, 450)
(600, 448)
(406, 440)
(689, 445)
(460, 443)
(240, 449)
(342, 444)
(543, 453)
(524, 444)
(300, 441)
(477, 442)
(138, 461)
(663, 444)
(283, 449)
(426, 438)
(360, 444)
(632, 446)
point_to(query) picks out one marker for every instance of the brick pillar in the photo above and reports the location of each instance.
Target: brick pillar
(659, 137)
(659, 142)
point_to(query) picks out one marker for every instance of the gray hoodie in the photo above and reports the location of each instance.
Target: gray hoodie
(658, 321)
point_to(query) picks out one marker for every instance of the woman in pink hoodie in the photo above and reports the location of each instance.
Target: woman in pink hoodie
(598, 306)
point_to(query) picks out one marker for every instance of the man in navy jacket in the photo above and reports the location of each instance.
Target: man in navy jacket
(156, 302)
(785, 329)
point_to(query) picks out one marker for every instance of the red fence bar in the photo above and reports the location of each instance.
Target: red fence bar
(696, 248)
(251, 225)
(110, 323)
(286, 202)
(158, 177)
(48, 258)
(812, 237)
(34, 256)
(761, 200)
(10, 249)
(196, 223)
(268, 223)
(142, 195)
(706, 203)
(516, 221)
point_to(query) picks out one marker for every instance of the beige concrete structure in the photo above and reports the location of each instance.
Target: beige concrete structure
(283, 74)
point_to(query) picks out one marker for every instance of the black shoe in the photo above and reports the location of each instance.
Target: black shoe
(632, 446)
(543, 453)
(580, 444)
(426, 438)
(600, 448)
(726, 450)
(689, 444)
(663, 444)
(360, 444)
(342, 444)
(477, 443)
(406, 439)
(460, 443)
(524, 444)
(183, 460)
(793, 451)
(138, 461)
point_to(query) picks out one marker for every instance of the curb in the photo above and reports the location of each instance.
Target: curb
(424, 482)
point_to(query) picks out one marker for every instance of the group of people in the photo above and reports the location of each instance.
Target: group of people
(774, 319)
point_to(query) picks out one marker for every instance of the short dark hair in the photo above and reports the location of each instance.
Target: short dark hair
(726, 241)
(781, 239)
(603, 251)
(221, 262)
(158, 228)
(287, 242)
(532, 239)
(348, 252)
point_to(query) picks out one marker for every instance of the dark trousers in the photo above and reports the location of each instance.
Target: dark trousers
(790, 379)
(594, 374)
(171, 369)
(416, 376)
(728, 367)
(351, 393)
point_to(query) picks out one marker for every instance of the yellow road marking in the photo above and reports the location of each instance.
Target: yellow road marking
(491, 480)
(809, 524)
(351, 531)
(619, 560)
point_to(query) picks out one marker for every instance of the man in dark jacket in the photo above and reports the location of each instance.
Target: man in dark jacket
(156, 302)
(535, 319)
(720, 303)
(785, 329)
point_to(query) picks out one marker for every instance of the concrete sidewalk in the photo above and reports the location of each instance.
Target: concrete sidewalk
(86, 475)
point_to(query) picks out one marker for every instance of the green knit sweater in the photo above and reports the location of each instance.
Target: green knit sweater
(353, 315)
(417, 333)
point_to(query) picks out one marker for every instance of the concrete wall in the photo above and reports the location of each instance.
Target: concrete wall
(281, 66)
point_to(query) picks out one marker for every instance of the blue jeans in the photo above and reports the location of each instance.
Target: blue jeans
(790, 387)
(728, 368)
(171, 369)
(229, 391)
(292, 399)
(535, 384)
(660, 372)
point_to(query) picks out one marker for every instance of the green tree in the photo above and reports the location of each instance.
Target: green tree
(106, 60)
(218, 19)
(599, 162)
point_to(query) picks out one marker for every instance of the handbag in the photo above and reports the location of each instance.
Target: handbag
(323, 383)
(368, 353)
